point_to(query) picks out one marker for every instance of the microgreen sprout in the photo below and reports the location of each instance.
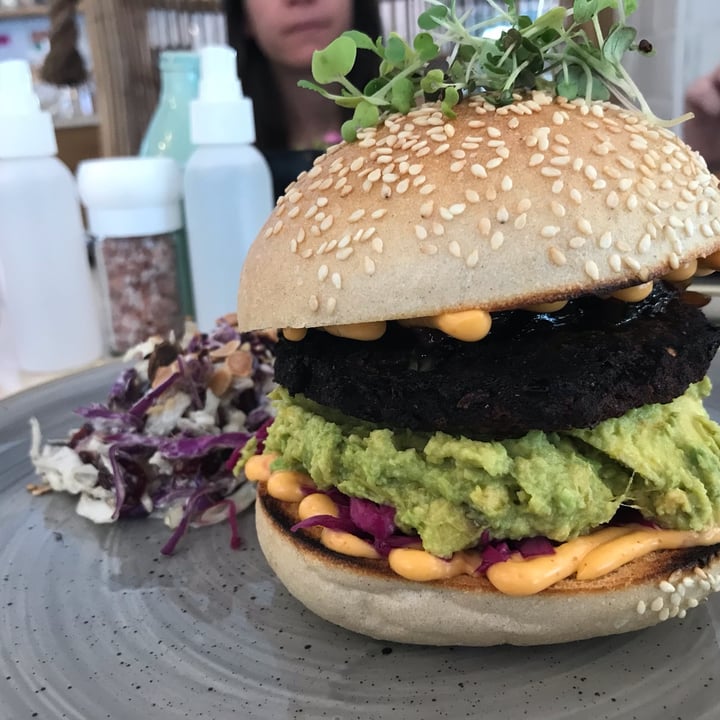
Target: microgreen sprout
(552, 53)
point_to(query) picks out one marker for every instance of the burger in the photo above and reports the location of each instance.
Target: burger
(489, 414)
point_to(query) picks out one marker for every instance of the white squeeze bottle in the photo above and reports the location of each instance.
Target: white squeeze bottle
(50, 300)
(227, 184)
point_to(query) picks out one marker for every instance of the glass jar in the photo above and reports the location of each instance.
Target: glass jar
(134, 219)
(140, 290)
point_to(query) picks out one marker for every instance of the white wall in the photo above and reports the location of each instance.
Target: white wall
(685, 35)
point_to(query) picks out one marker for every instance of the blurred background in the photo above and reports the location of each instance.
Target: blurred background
(119, 41)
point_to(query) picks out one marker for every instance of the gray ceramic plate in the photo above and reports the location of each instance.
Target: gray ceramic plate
(97, 624)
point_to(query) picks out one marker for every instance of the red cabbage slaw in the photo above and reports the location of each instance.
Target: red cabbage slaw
(169, 450)
(375, 524)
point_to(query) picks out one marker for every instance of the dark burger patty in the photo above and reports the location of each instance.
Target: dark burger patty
(593, 360)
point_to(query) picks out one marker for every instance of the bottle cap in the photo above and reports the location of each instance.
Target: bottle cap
(221, 115)
(131, 196)
(25, 129)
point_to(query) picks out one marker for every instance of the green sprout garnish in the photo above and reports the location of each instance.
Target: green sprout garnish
(552, 53)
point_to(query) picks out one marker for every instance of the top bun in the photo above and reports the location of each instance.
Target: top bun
(536, 201)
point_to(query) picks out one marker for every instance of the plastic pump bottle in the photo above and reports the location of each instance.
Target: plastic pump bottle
(50, 301)
(227, 183)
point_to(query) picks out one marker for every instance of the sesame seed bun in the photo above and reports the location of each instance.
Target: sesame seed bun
(498, 208)
(367, 597)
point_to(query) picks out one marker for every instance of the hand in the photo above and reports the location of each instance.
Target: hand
(702, 133)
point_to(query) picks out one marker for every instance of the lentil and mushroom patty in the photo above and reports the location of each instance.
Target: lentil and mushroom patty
(595, 359)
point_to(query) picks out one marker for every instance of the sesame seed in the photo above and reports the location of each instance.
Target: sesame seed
(428, 249)
(506, 184)
(657, 604)
(422, 152)
(457, 166)
(556, 256)
(369, 265)
(367, 234)
(667, 587)
(606, 240)
(485, 225)
(612, 200)
(344, 241)
(346, 190)
(521, 221)
(494, 132)
(419, 180)
(314, 303)
(385, 191)
(344, 253)
(560, 160)
(549, 231)
(377, 244)
(576, 242)
(326, 224)
(576, 196)
(323, 272)
(440, 149)
(420, 232)
(615, 262)
(478, 171)
(592, 270)
(458, 154)
(357, 215)
(438, 229)
(402, 186)
(331, 304)
(584, 226)
(513, 123)
(426, 208)
(494, 162)
(427, 189)
(491, 194)
(457, 208)
(632, 263)
(445, 214)
(524, 205)
(550, 171)
(557, 186)
(454, 249)
(472, 196)
(536, 159)
(558, 209)
(336, 280)
(645, 243)
(502, 214)
(578, 164)
(472, 259)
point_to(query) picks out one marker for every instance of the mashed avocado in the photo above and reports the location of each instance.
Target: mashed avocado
(662, 459)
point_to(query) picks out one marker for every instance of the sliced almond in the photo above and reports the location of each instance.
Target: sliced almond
(34, 489)
(163, 373)
(227, 349)
(230, 319)
(220, 381)
(240, 363)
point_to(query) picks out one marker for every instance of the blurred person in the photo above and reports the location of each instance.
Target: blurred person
(275, 40)
(702, 133)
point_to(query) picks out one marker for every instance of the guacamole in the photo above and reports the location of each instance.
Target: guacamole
(662, 459)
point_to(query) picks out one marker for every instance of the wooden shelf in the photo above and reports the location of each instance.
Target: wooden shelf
(30, 11)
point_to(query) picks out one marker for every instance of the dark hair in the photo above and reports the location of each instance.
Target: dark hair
(257, 77)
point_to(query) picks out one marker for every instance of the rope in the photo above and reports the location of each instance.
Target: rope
(64, 65)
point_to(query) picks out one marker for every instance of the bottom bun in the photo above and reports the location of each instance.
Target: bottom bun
(367, 597)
